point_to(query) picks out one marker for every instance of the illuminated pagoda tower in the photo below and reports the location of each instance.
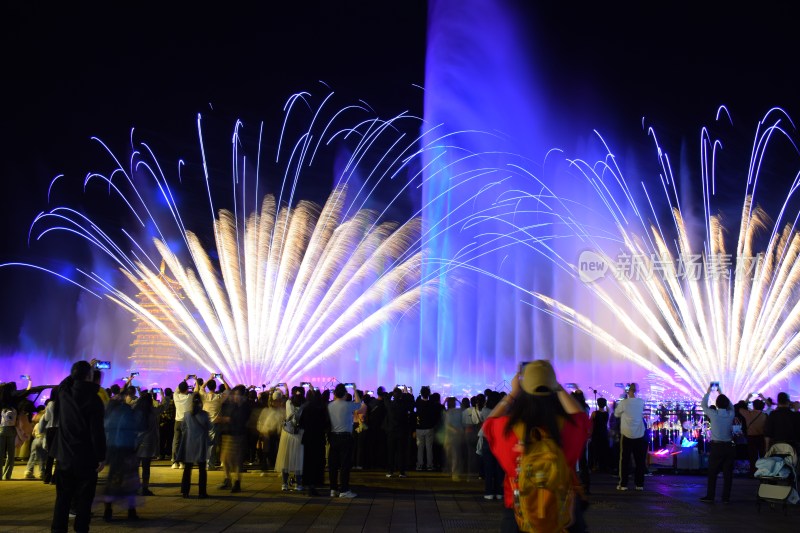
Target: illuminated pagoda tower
(155, 356)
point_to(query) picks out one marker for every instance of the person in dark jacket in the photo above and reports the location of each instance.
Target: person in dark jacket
(79, 447)
(398, 408)
(147, 442)
(315, 424)
(427, 420)
(123, 426)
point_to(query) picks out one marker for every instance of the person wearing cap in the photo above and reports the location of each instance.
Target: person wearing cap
(630, 411)
(536, 400)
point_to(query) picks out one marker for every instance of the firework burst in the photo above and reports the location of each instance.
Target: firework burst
(688, 306)
(286, 284)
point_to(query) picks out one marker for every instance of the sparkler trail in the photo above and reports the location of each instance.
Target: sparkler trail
(287, 284)
(705, 312)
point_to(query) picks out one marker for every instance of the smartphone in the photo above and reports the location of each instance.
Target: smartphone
(102, 365)
(522, 366)
(572, 386)
(369, 393)
(156, 390)
(280, 384)
(305, 384)
(217, 376)
(191, 388)
(191, 376)
(25, 377)
(627, 387)
(715, 385)
(134, 374)
(349, 385)
(620, 385)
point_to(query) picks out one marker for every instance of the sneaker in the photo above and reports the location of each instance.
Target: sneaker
(402, 476)
(488, 496)
(620, 487)
(225, 484)
(299, 488)
(237, 487)
(29, 475)
(389, 475)
(431, 469)
(637, 488)
(707, 499)
(348, 494)
(284, 487)
(334, 494)
(175, 466)
(420, 468)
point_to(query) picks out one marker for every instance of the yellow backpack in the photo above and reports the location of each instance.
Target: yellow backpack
(544, 490)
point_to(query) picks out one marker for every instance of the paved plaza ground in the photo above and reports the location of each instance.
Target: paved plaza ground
(426, 502)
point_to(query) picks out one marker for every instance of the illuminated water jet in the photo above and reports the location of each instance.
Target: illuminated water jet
(695, 312)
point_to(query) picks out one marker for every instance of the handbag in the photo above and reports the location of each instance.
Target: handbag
(290, 425)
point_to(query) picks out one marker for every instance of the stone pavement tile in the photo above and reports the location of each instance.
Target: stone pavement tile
(425, 502)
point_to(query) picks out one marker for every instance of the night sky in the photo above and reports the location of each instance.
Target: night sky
(71, 72)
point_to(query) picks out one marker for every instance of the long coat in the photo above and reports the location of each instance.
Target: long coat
(147, 442)
(194, 444)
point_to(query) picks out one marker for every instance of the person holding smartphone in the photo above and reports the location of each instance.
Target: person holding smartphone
(633, 442)
(183, 403)
(340, 456)
(722, 446)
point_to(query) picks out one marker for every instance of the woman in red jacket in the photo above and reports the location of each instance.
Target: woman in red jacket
(536, 401)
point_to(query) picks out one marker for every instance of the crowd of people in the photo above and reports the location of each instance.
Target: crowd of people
(300, 433)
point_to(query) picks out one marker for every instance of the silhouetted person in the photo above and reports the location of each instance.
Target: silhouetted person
(783, 424)
(79, 447)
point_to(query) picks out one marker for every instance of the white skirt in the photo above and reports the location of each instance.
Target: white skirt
(290, 453)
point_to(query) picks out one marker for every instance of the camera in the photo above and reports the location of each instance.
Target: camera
(102, 365)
